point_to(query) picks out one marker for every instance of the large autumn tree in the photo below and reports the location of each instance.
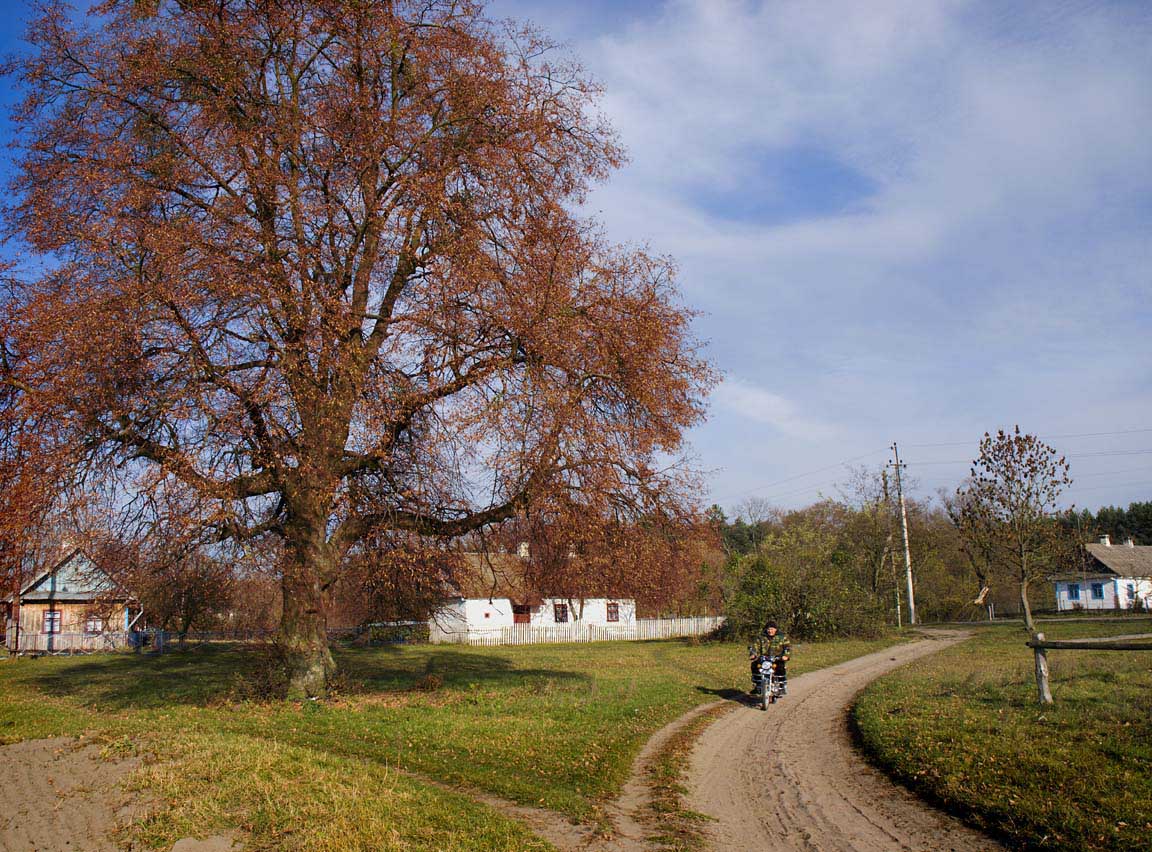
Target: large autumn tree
(318, 267)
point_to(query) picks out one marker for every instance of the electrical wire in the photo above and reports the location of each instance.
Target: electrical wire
(1042, 437)
(800, 475)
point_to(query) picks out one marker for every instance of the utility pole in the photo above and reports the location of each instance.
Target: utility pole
(904, 524)
(888, 546)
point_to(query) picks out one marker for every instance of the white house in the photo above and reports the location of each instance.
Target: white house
(1115, 577)
(497, 596)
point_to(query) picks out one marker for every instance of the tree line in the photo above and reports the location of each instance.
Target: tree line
(993, 545)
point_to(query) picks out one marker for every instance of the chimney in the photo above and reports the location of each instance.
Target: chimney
(1106, 540)
(1128, 542)
(522, 550)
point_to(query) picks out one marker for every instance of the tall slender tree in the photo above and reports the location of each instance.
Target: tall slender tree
(316, 264)
(1007, 509)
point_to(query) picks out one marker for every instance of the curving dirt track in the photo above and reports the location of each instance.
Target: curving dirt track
(789, 778)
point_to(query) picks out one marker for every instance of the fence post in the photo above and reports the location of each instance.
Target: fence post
(1042, 690)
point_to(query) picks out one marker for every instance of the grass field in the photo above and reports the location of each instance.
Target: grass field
(555, 726)
(964, 728)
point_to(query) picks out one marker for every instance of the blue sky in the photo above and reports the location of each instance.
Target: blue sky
(910, 220)
(905, 220)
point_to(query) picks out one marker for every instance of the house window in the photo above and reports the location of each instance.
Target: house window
(560, 613)
(613, 611)
(94, 624)
(1131, 591)
(52, 621)
(1073, 591)
(1097, 591)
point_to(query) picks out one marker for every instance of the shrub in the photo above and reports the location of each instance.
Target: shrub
(800, 579)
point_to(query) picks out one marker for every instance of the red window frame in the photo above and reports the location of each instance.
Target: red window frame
(613, 611)
(560, 613)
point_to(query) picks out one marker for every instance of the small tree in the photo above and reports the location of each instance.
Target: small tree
(1007, 509)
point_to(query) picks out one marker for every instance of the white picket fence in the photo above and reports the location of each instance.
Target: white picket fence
(532, 634)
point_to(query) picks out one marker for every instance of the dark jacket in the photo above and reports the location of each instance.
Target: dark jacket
(772, 646)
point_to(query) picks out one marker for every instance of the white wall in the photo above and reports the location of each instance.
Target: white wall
(1115, 593)
(462, 618)
(592, 611)
(484, 614)
(1142, 589)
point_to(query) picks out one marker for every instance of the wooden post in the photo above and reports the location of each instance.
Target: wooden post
(1042, 690)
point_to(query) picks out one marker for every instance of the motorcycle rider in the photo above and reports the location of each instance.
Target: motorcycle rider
(771, 643)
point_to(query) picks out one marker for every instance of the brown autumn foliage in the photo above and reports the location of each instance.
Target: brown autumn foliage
(317, 264)
(1007, 510)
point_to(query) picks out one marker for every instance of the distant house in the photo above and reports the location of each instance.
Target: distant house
(1116, 577)
(495, 595)
(73, 606)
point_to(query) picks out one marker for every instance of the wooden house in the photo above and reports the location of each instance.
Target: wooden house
(72, 606)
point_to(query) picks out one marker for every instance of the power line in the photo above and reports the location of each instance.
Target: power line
(1073, 489)
(800, 475)
(1099, 454)
(1042, 437)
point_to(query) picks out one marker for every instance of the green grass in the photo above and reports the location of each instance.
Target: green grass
(556, 726)
(964, 728)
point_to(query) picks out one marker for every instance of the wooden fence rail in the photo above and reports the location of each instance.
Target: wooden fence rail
(1040, 647)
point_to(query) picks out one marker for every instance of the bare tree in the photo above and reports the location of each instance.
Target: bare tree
(1006, 510)
(756, 512)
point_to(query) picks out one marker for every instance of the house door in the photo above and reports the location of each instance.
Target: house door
(521, 614)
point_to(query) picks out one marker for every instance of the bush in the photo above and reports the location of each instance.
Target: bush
(800, 579)
(265, 678)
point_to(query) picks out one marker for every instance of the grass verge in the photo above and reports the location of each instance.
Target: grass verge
(555, 726)
(963, 728)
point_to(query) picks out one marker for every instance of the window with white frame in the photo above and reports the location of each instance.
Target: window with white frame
(94, 624)
(52, 621)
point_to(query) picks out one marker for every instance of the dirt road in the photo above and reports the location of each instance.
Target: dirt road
(789, 778)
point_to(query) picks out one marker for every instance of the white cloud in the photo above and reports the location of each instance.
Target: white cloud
(995, 263)
(763, 406)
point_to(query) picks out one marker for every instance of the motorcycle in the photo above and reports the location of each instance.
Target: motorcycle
(769, 685)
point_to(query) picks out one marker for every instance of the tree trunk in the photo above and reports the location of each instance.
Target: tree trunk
(304, 634)
(1025, 608)
(304, 622)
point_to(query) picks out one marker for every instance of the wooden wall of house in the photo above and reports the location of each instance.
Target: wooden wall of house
(73, 633)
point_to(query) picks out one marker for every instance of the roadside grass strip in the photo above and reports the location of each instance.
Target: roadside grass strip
(963, 728)
(552, 726)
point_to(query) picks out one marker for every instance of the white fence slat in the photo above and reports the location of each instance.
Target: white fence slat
(534, 634)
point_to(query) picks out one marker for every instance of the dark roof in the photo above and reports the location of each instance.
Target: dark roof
(508, 575)
(1122, 560)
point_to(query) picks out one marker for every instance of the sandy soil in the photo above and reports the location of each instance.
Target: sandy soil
(789, 777)
(58, 795)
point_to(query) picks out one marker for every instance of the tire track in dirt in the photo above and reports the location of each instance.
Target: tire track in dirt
(790, 778)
